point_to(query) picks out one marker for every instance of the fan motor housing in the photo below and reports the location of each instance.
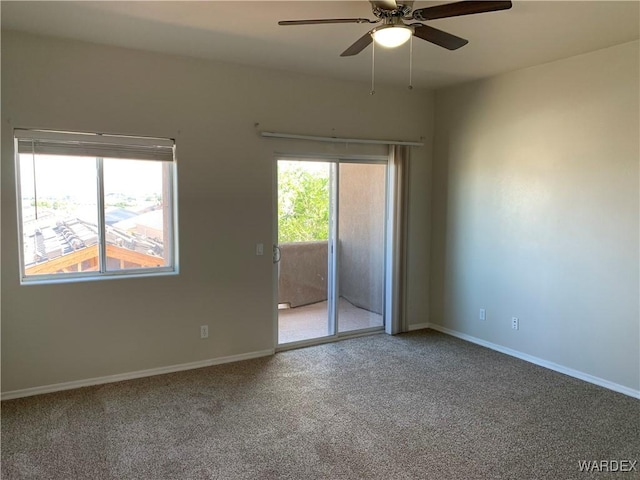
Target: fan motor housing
(399, 12)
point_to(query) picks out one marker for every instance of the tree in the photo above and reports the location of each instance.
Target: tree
(303, 203)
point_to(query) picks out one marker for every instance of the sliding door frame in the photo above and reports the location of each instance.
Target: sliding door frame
(334, 333)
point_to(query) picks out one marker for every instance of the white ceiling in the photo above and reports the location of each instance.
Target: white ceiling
(246, 32)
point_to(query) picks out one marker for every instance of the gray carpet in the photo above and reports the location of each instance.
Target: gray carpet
(415, 406)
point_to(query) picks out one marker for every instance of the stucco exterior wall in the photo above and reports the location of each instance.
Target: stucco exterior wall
(302, 273)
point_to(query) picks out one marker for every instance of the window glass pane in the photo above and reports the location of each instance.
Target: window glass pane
(137, 206)
(304, 205)
(64, 184)
(59, 214)
(362, 225)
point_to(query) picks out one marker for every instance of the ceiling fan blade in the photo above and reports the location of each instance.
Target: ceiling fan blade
(359, 45)
(326, 21)
(438, 37)
(459, 8)
(384, 4)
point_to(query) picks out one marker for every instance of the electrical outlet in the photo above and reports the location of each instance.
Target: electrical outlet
(483, 314)
(204, 331)
(515, 323)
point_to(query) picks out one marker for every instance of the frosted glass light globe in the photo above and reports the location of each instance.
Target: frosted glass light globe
(392, 36)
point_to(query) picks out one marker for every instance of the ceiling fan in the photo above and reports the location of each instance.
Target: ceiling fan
(394, 30)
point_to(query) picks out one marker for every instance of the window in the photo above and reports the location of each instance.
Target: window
(93, 206)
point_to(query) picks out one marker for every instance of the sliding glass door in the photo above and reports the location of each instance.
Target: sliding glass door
(305, 264)
(361, 230)
(331, 248)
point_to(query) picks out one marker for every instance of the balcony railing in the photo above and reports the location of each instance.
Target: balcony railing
(302, 273)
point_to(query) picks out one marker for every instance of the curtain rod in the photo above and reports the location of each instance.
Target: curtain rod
(339, 140)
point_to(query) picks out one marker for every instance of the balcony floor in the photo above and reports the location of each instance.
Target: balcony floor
(310, 321)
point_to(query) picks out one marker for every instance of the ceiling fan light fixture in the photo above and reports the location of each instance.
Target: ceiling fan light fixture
(392, 36)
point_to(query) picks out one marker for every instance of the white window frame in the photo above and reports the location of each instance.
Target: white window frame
(99, 146)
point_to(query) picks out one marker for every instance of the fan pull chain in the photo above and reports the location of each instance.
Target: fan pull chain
(411, 63)
(373, 68)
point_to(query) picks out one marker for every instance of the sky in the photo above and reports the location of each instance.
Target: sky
(58, 176)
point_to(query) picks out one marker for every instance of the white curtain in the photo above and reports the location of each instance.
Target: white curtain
(397, 239)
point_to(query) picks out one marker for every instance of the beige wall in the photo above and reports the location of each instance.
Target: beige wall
(534, 207)
(65, 332)
(535, 212)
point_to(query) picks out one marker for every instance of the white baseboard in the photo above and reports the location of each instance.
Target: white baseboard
(28, 392)
(541, 362)
(417, 326)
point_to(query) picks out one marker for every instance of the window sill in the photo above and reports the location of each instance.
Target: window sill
(49, 280)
